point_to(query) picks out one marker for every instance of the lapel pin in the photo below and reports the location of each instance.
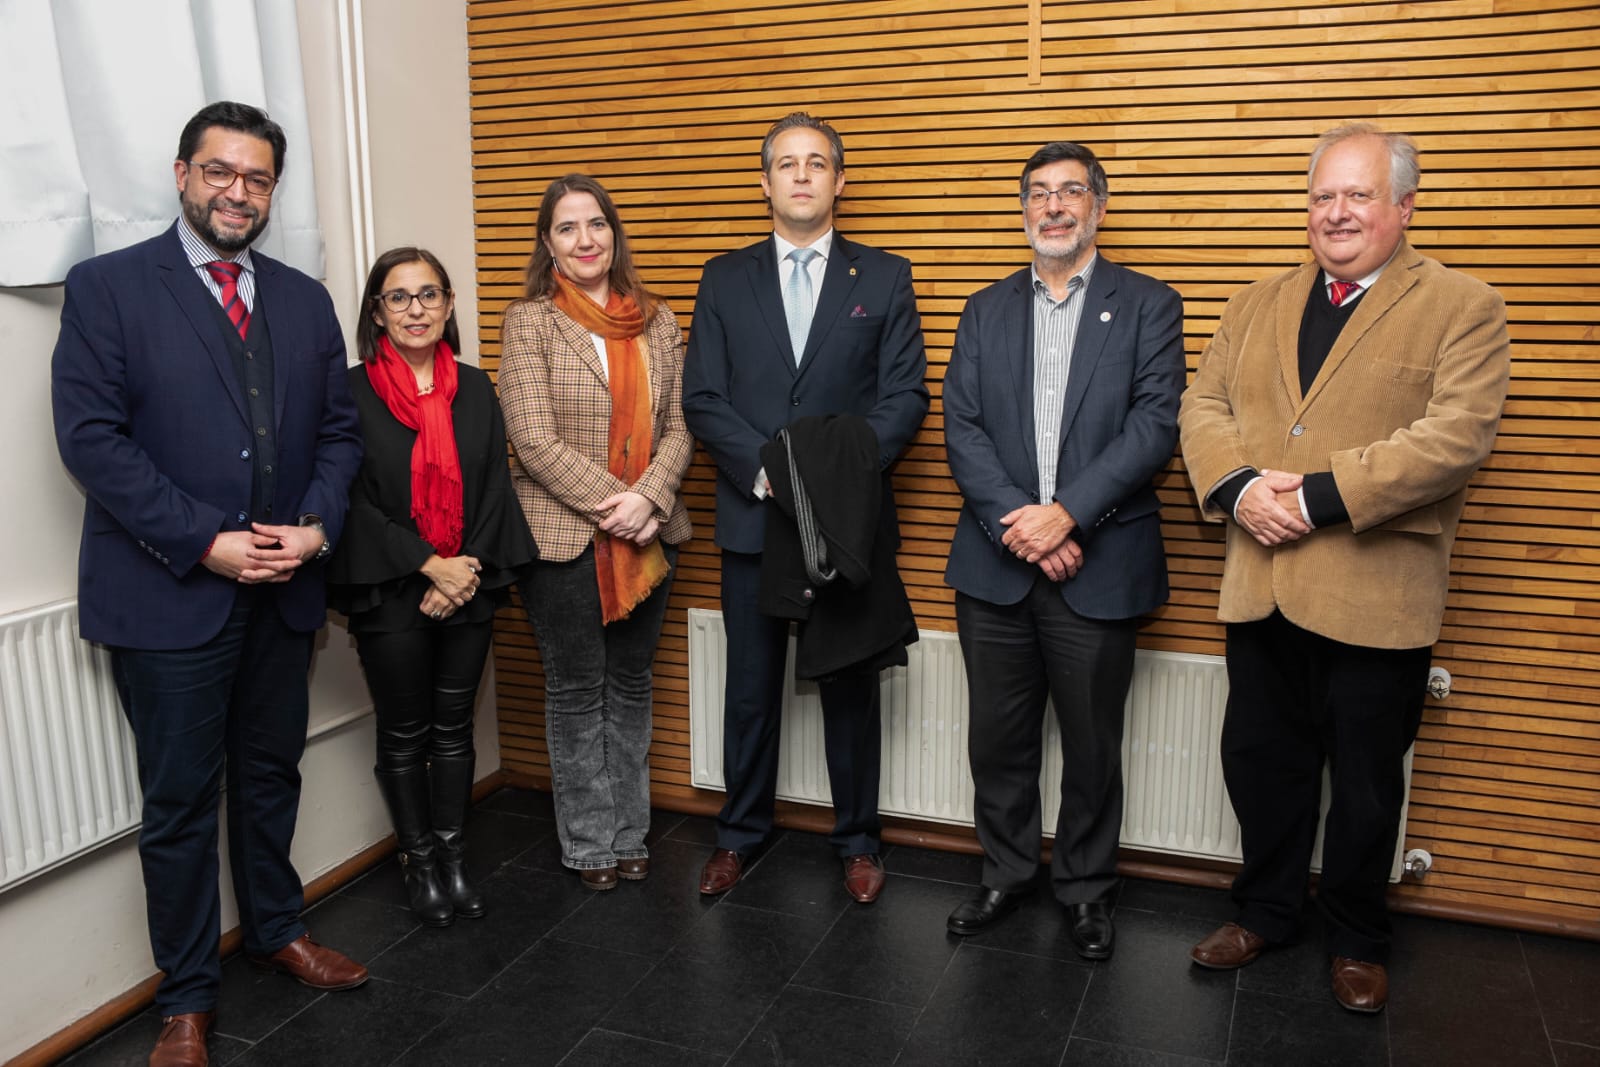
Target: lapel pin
(1105, 316)
(852, 272)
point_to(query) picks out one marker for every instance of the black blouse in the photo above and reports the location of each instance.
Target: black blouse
(373, 576)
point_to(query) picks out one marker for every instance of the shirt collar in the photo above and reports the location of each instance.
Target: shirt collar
(1365, 283)
(823, 245)
(1083, 277)
(200, 252)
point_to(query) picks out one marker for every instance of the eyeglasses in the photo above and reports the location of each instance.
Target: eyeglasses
(220, 177)
(431, 297)
(1068, 194)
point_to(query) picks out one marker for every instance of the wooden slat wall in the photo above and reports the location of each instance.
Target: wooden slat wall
(1203, 111)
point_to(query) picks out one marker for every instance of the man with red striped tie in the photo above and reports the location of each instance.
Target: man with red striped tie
(200, 399)
(1333, 423)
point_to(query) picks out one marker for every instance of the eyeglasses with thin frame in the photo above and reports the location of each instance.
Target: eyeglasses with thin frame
(219, 176)
(431, 297)
(1067, 194)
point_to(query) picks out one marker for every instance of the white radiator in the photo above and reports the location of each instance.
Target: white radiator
(1175, 801)
(69, 779)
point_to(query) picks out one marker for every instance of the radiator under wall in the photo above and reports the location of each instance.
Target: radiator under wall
(69, 777)
(1175, 801)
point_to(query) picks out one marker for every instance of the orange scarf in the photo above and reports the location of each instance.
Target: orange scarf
(627, 573)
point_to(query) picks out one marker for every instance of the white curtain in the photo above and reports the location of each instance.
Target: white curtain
(93, 96)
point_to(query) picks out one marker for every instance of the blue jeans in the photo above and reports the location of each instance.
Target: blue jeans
(597, 709)
(238, 702)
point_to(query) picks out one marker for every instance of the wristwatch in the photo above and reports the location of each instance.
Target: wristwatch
(315, 522)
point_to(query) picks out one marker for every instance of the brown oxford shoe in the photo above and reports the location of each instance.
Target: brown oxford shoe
(863, 877)
(1228, 947)
(635, 869)
(721, 872)
(183, 1041)
(598, 878)
(1360, 986)
(314, 965)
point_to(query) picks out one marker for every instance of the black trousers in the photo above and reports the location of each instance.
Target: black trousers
(1016, 656)
(752, 712)
(424, 684)
(1296, 700)
(237, 703)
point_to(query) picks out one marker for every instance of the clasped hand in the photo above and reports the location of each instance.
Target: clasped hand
(630, 516)
(1269, 510)
(455, 581)
(263, 553)
(1041, 534)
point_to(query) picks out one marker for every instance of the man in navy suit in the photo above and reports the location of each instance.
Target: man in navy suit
(802, 323)
(200, 400)
(1061, 403)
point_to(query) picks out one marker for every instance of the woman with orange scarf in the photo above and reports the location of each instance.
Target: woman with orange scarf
(591, 385)
(433, 539)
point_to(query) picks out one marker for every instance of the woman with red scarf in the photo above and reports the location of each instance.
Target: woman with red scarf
(433, 540)
(591, 384)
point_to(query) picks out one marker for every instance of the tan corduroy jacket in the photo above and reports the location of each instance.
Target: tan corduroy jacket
(1403, 411)
(557, 404)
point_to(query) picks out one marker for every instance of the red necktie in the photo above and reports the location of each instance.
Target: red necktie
(1338, 292)
(227, 275)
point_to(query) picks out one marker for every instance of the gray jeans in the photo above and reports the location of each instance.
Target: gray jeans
(597, 709)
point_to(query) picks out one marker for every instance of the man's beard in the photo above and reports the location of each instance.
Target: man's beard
(199, 216)
(1080, 238)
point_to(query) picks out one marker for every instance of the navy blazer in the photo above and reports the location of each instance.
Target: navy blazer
(863, 356)
(151, 419)
(1118, 429)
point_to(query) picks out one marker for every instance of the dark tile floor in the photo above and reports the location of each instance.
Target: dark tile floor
(786, 970)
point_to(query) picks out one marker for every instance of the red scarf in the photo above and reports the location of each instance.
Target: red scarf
(626, 572)
(435, 465)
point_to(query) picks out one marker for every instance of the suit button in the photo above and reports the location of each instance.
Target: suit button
(1297, 430)
(240, 516)
(244, 453)
(795, 401)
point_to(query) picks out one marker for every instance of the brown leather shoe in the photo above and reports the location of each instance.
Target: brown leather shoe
(183, 1041)
(598, 878)
(863, 877)
(634, 870)
(314, 965)
(1228, 947)
(1360, 986)
(721, 872)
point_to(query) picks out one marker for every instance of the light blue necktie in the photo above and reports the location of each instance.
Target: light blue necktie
(797, 300)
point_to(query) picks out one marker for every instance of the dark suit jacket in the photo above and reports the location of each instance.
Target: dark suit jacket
(741, 386)
(1118, 428)
(373, 577)
(151, 419)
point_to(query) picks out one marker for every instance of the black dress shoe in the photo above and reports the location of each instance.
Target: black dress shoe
(1092, 932)
(989, 906)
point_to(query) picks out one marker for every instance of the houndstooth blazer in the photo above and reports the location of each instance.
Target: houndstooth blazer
(557, 404)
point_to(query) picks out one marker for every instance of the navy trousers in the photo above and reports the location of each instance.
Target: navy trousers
(234, 709)
(752, 712)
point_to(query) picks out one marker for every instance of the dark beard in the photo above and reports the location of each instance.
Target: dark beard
(199, 216)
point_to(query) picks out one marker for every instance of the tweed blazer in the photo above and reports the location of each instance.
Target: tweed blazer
(1402, 412)
(557, 404)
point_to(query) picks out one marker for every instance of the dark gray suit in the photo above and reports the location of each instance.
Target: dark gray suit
(741, 385)
(1118, 429)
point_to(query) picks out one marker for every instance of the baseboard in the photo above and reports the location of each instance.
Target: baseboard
(125, 1005)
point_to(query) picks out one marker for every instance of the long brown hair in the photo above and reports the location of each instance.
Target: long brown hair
(623, 277)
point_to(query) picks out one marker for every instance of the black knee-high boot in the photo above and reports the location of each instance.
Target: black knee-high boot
(406, 793)
(451, 778)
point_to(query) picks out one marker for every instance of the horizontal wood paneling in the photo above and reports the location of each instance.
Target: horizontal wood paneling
(1203, 111)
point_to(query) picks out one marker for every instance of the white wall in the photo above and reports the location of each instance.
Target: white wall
(81, 928)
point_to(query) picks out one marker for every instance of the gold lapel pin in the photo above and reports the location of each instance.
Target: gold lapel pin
(852, 272)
